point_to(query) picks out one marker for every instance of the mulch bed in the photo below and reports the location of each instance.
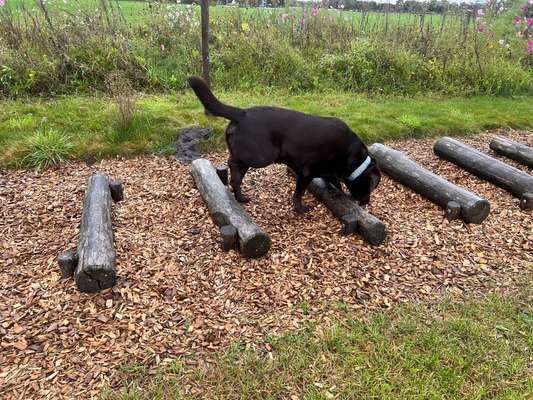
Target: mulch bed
(179, 294)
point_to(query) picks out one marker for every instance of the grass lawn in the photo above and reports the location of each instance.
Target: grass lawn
(41, 132)
(476, 349)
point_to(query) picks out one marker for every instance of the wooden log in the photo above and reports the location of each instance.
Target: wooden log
(97, 258)
(117, 190)
(513, 150)
(485, 167)
(67, 261)
(225, 210)
(456, 201)
(347, 210)
(230, 237)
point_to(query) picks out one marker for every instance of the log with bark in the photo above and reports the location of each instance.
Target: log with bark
(253, 242)
(488, 168)
(96, 267)
(457, 202)
(517, 151)
(354, 219)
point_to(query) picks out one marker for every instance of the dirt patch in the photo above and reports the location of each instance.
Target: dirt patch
(178, 293)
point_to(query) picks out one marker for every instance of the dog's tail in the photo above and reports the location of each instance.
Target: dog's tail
(211, 103)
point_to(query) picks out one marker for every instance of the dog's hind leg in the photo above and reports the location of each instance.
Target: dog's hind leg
(335, 182)
(302, 182)
(237, 172)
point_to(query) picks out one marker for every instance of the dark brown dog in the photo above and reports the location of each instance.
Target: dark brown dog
(311, 146)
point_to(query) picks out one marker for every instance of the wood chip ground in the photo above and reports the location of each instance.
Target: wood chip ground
(179, 294)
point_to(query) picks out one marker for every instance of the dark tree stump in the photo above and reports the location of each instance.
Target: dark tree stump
(513, 150)
(117, 190)
(456, 201)
(67, 260)
(485, 167)
(97, 258)
(230, 237)
(225, 210)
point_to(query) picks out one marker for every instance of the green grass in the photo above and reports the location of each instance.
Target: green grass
(476, 349)
(89, 126)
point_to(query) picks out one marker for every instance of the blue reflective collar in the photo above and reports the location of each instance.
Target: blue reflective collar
(362, 168)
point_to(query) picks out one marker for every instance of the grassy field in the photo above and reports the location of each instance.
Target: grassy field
(476, 349)
(40, 132)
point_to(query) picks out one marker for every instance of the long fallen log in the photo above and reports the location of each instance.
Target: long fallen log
(96, 267)
(458, 202)
(514, 150)
(253, 242)
(488, 168)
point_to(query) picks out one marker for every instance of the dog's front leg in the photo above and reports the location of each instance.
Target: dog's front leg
(237, 172)
(302, 182)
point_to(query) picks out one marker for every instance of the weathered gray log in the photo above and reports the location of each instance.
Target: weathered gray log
(473, 209)
(117, 190)
(346, 210)
(67, 261)
(97, 258)
(224, 210)
(514, 150)
(485, 167)
(222, 172)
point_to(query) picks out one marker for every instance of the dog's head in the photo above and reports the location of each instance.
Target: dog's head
(361, 187)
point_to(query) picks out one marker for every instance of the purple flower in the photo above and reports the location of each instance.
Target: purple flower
(302, 22)
(480, 12)
(524, 8)
(481, 28)
(517, 20)
(529, 21)
(530, 43)
(2, 3)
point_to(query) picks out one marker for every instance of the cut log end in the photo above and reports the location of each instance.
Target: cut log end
(67, 260)
(117, 190)
(526, 201)
(222, 172)
(349, 224)
(453, 210)
(96, 277)
(229, 237)
(372, 230)
(256, 246)
(477, 212)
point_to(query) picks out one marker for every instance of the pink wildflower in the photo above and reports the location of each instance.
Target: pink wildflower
(302, 22)
(481, 28)
(162, 47)
(480, 12)
(2, 3)
(529, 21)
(517, 20)
(524, 8)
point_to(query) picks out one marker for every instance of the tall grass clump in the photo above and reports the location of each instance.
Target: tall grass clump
(55, 48)
(46, 148)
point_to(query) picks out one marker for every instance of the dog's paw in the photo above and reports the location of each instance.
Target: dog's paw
(301, 209)
(242, 199)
